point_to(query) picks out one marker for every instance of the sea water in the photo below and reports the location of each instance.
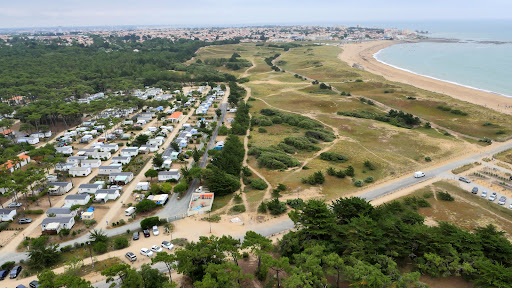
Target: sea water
(473, 60)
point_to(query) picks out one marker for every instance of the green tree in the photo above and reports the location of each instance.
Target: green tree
(195, 258)
(258, 244)
(222, 275)
(151, 277)
(196, 155)
(158, 160)
(170, 261)
(128, 276)
(146, 205)
(334, 266)
(98, 236)
(151, 173)
(120, 243)
(43, 254)
(141, 139)
(315, 218)
(347, 208)
(278, 265)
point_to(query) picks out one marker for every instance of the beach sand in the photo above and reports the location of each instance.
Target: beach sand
(362, 54)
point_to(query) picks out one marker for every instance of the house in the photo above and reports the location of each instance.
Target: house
(79, 171)
(191, 130)
(94, 153)
(7, 214)
(88, 215)
(109, 148)
(126, 136)
(13, 165)
(152, 129)
(60, 212)
(89, 188)
(76, 199)
(104, 195)
(169, 175)
(174, 155)
(120, 178)
(150, 148)
(86, 139)
(160, 199)
(167, 164)
(128, 122)
(29, 140)
(176, 117)
(65, 166)
(107, 170)
(155, 142)
(144, 186)
(93, 163)
(76, 159)
(182, 142)
(123, 160)
(132, 151)
(66, 150)
(59, 188)
(53, 225)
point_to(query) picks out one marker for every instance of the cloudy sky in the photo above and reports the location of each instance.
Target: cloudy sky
(38, 13)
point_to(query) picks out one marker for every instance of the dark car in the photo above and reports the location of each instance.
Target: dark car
(3, 274)
(15, 272)
(146, 233)
(136, 235)
(474, 190)
(34, 284)
(25, 220)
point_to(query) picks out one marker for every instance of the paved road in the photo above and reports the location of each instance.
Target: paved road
(433, 172)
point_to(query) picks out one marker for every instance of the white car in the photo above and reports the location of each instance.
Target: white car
(169, 245)
(509, 207)
(484, 194)
(419, 174)
(146, 252)
(155, 231)
(156, 248)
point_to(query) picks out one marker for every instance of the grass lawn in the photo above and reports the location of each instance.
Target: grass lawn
(220, 201)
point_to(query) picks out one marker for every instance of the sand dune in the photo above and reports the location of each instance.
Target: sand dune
(362, 54)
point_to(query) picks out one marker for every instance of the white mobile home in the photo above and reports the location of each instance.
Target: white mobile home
(66, 150)
(60, 212)
(104, 195)
(59, 188)
(80, 171)
(93, 163)
(120, 178)
(107, 170)
(89, 188)
(53, 225)
(144, 186)
(76, 159)
(7, 214)
(123, 160)
(76, 199)
(173, 174)
(109, 148)
(132, 151)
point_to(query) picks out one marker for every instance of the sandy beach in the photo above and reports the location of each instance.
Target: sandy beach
(362, 54)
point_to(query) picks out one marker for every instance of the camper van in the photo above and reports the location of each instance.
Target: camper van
(419, 174)
(129, 211)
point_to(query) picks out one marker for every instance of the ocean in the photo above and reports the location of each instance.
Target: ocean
(481, 58)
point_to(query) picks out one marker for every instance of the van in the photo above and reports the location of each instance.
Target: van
(419, 174)
(129, 211)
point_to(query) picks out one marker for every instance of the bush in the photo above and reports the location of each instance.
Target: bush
(89, 223)
(314, 179)
(246, 171)
(276, 207)
(262, 208)
(262, 130)
(39, 211)
(149, 222)
(350, 171)
(8, 265)
(301, 143)
(272, 158)
(100, 247)
(332, 156)
(428, 159)
(238, 208)
(145, 205)
(179, 242)
(369, 165)
(295, 203)
(258, 184)
(320, 134)
(358, 183)
(4, 225)
(245, 255)
(368, 179)
(66, 248)
(445, 196)
(64, 232)
(237, 198)
(120, 243)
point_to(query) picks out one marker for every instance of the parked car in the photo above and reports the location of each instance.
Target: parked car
(484, 194)
(146, 233)
(510, 206)
(167, 245)
(34, 284)
(3, 274)
(15, 272)
(24, 220)
(131, 257)
(155, 230)
(464, 179)
(136, 235)
(474, 190)
(493, 196)
(14, 205)
(146, 252)
(156, 248)
(419, 174)
(502, 200)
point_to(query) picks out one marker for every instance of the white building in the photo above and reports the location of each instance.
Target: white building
(55, 224)
(76, 159)
(120, 178)
(60, 212)
(107, 170)
(79, 171)
(59, 188)
(104, 195)
(144, 186)
(93, 163)
(123, 160)
(132, 151)
(109, 148)
(76, 199)
(66, 150)
(169, 175)
(89, 188)
(7, 214)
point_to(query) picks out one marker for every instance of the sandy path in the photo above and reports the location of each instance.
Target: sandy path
(362, 54)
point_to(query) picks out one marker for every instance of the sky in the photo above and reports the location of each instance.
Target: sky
(53, 13)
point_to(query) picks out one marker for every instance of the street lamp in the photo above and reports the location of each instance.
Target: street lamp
(90, 252)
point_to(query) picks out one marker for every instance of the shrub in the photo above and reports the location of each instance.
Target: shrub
(258, 184)
(369, 165)
(445, 196)
(39, 211)
(333, 157)
(145, 205)
(89, 223)
(276, 207)
(237, 198)
(180, 242)
(359, 80)
(320, 134)
(416, 202)
(246, 171)
(262, 208)
(100, 247)
(66, 248)
(150, 222)
(301, 143)
(120, 243)
(428, 159)
(262, 130)
(350, 171)
(272, 158)
(368, 179)
(64, 232)
(8, 265)
(245, 255)
(358, 183)
(295, 203)
(238, 208)
(314, 179)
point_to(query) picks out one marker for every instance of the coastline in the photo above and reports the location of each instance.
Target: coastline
(363, 54)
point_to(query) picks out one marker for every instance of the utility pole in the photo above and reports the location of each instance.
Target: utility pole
(209, 220)
(90, 253)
